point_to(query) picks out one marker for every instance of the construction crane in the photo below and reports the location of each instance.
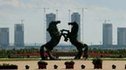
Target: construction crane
(57, 14)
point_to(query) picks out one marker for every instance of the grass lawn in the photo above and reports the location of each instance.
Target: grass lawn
(37, 59)
(19, 59)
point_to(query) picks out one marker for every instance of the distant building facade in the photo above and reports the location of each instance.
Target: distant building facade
(75, 17)
(107, 34)
(121, 36)
(49, 18)
(4, 37)
(19, 35)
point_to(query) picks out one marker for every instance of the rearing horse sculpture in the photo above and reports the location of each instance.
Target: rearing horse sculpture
(73, 39)
(55, 38)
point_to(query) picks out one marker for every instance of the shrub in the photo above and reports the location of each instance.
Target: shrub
(8, 66)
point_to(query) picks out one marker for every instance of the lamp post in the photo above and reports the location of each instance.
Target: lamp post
(82, 24)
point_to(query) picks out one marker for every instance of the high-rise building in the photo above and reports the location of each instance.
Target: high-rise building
(107, 34)
(19, 35)
(75, 17)
(121, 36)
(49, 18)
(4, 37)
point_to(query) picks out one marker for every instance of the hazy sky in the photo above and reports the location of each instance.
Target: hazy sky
(31, 11)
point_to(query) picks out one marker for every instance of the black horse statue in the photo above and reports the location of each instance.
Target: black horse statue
(55, 38)
(73, 39)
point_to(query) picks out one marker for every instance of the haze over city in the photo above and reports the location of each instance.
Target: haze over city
(33, 16)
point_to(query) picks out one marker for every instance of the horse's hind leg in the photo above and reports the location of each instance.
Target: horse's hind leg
(85, 51)
(42, 53)
(50, 49)
(51, 56)
(79, 47)
(78, 56)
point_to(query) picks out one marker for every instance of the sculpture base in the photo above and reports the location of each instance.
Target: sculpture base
(42, 65)
(69, 65)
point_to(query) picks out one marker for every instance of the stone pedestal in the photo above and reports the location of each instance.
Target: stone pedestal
(27, 67)
(42, 65)
(9, 67)
(55, 66)
(97, 63)
(113, 66)
(69, 65)
(97, 66)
